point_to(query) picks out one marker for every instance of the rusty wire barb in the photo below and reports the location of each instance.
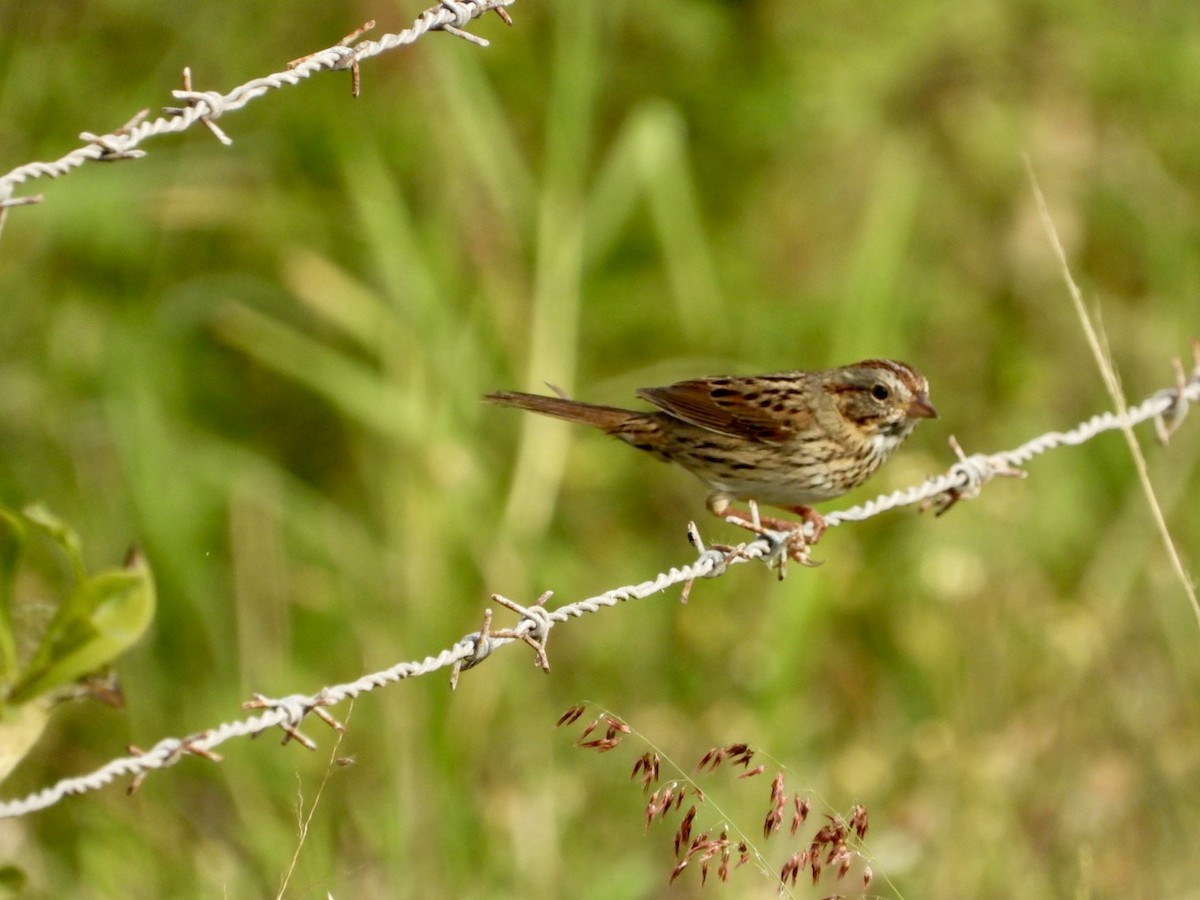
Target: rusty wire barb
(962, 481)
(208, 106)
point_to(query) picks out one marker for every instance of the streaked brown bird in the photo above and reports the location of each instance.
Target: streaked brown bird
(787, 440)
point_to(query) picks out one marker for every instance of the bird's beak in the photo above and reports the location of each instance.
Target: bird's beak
(921, 408)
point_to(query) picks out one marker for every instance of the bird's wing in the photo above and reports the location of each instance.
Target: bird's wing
(759, 408)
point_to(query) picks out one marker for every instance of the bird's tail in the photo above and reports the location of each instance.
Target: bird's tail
(607, 418)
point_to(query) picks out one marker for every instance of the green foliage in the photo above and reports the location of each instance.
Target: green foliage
(101, 617)
(48, 647)
(262, 363)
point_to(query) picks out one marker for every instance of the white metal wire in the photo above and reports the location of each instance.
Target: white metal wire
(208, 106)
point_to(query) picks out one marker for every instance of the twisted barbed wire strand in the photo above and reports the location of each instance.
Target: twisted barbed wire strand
(207, 106)
(961, 481)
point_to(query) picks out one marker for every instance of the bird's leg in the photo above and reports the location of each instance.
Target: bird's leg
(796, 542)
(812, 517)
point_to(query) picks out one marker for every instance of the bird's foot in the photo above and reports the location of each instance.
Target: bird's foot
(788, 539)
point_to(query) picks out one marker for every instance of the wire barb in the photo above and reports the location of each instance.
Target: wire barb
(214, 102)
(1166, 422)
(712, 562)
(293, 710)
(112, 147)
(481, 645)
(462, 15)
(349, 61)
(20, 201)
(971, 474)
(785, 540)
(533, 628)
(168, 752)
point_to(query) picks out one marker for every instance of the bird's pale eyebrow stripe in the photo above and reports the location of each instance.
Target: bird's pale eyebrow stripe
(901, 370)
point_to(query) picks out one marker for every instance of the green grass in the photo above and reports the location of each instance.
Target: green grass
(262, 365)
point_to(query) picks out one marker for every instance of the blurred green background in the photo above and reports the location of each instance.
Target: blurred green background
(262, 364)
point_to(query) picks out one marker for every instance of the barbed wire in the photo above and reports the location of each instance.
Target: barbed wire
(206, 106)
(962, 481)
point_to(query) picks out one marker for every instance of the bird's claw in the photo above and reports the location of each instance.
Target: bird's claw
(790, 544)
(786, 540)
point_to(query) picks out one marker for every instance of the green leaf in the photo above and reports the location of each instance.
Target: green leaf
(59, 532)
(110, 611)
(20, 728)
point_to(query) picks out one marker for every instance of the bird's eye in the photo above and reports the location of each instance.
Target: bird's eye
(880, 392)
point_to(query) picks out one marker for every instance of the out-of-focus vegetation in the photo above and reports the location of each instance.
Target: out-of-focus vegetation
(262, 365)
(59, 637)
